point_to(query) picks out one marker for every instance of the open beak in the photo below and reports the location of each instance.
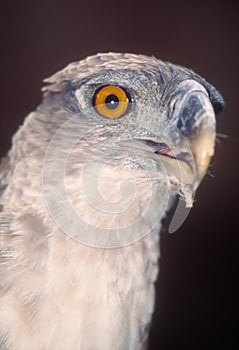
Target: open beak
(188, 162)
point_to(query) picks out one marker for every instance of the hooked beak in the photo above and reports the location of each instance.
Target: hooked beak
(199, 127)
(189, 160)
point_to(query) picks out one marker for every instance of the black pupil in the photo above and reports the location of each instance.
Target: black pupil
(112, 101)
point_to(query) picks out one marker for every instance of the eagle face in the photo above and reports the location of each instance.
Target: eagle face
(136, 132)
(98, 164)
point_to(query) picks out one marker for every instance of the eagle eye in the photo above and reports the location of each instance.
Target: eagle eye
(112, 101)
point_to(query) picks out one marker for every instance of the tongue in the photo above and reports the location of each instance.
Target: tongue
(149, 145)
(160, 148)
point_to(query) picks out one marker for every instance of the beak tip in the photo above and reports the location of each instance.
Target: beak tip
(202, 147)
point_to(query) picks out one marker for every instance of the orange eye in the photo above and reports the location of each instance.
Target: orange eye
(111, 101)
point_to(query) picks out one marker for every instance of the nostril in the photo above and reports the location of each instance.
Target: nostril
(174, 106)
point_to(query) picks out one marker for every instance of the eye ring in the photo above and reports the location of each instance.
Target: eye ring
(112, 101)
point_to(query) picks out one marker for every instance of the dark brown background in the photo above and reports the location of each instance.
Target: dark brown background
(196, 292)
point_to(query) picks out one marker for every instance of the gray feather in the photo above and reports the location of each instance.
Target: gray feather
(89, 283)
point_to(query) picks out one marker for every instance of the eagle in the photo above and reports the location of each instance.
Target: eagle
(84, 192)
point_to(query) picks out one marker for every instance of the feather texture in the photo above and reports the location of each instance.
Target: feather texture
(93, 289)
